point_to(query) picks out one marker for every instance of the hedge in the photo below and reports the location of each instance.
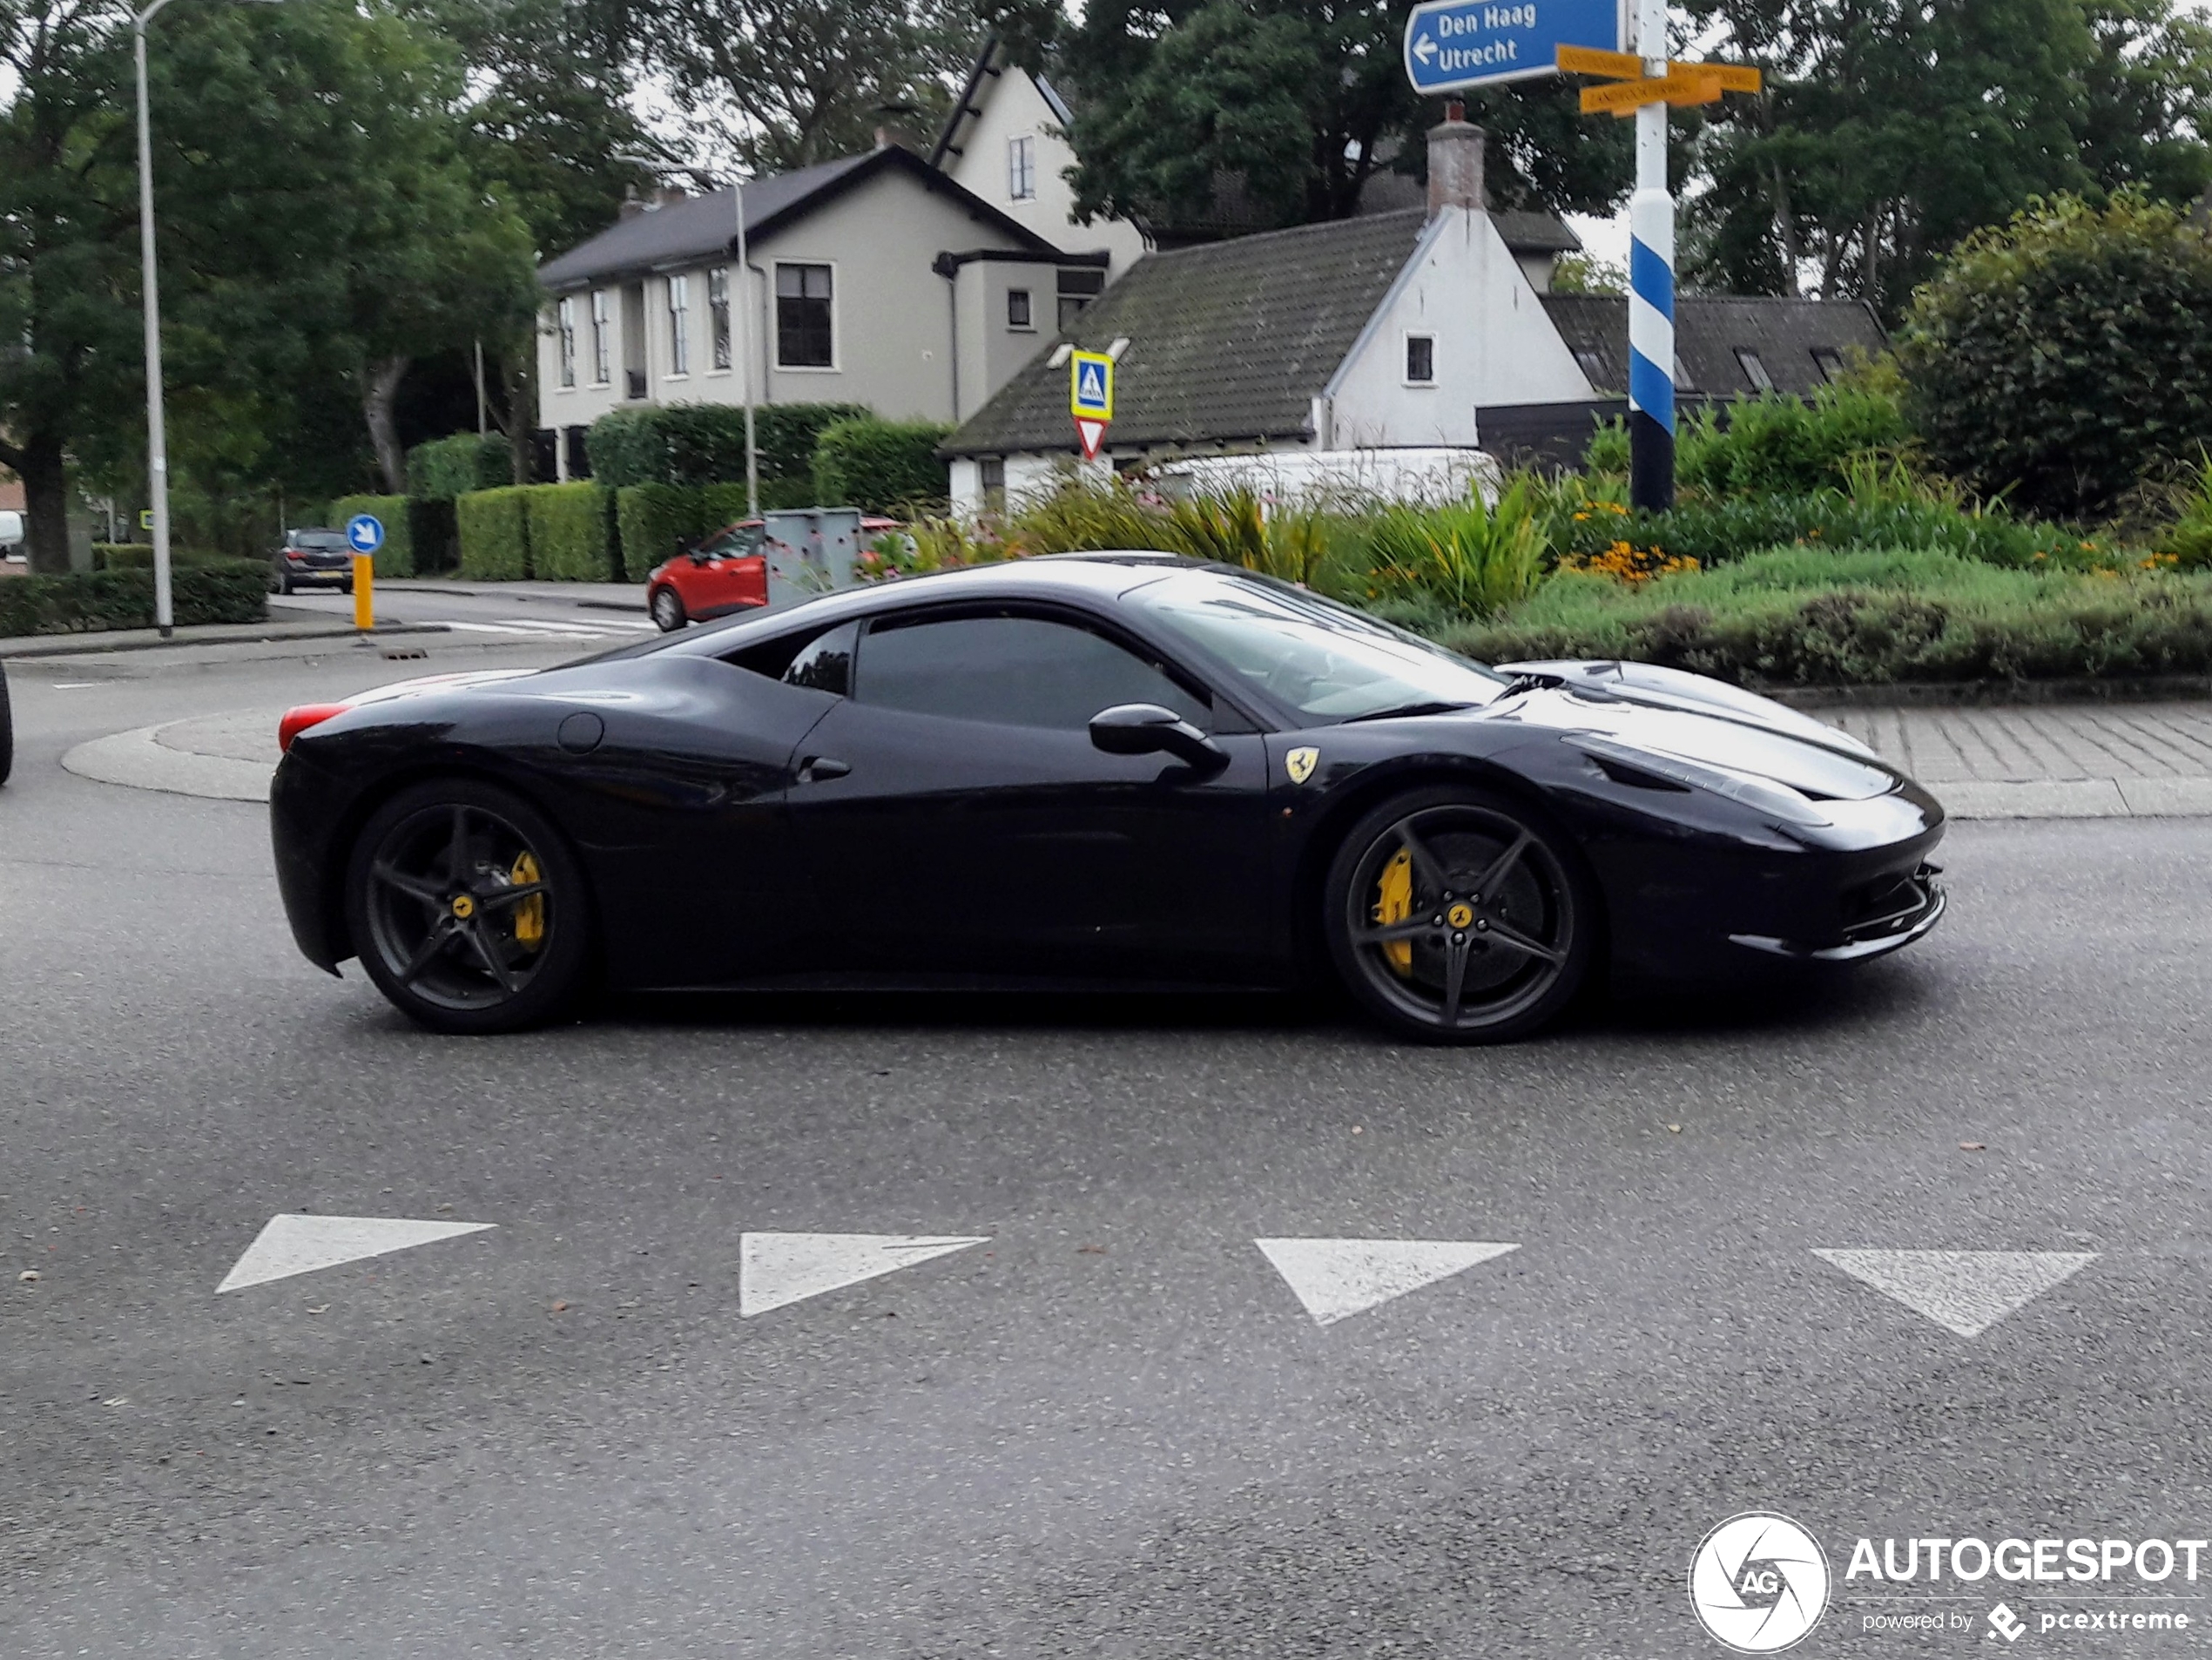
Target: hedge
(703, 443)
(494, 534)
(138, 555)
(882, 466)
(571, 532)
(445, 468)
(229, 591)
(655, 521)
(396, 557)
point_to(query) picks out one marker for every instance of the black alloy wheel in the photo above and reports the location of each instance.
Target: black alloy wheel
(468, 910)
(1458, 917)
(668, 609)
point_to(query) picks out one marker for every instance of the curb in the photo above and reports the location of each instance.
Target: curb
(249, 634)
(1993, 694)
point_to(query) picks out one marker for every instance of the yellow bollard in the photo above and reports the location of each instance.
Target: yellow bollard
(364, 585)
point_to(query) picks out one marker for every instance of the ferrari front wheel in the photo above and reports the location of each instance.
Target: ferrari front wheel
(467, 908)
(1458, 916)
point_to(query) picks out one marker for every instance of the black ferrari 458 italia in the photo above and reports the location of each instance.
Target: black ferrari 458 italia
(1077, 772)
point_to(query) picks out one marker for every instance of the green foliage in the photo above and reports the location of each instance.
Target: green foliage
(445, 468)
(1585, 273)
(396, 557)
(703, 443)
(138, 555)
(1471, 559)
(2188, 541)
(571, 532)
(654, 522)
(887, 466)
(1774, 443)
(2060, 356)
(494, 534)
(1802, 617)
(227, 590)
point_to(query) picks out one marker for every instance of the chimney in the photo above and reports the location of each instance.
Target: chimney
(1455, 162)
(631, 206)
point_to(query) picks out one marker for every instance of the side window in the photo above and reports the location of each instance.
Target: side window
(1012, 671)
(825, 662)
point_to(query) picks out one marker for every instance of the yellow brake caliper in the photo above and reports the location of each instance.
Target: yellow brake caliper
(529, 914)
(1394, 903)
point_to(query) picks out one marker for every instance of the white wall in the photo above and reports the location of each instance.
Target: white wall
(1493, 344)
(1014, 107)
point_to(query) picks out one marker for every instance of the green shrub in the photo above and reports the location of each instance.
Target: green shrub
(703, 443)
(1470, 559)
(1770, 444)
(571, 532)
(654, 522)
(396, 557)
(138, 555)
(721, 504)
(882, 466)
(494, 534)
(2060, 355)
(445, 468)
(227, 590)
(434, 535)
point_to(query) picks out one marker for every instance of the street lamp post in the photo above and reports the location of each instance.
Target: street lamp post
(157, 427)
(740, 302)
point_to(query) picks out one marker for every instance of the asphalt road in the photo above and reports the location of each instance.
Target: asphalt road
(491, 611)
(1112, 1429)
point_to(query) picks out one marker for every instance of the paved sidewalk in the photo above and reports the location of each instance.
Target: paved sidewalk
(2049, 760)
(592, 596)
(99, 642)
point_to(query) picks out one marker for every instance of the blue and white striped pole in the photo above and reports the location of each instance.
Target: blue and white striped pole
(1651, 287)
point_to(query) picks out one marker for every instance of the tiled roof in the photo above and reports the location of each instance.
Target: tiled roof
(1229, 340)
(702, 227)
(1712, 334)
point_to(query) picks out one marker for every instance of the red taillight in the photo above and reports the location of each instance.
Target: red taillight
(298, 720)
(296, 557)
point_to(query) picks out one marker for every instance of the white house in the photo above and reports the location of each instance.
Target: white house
(874, 279)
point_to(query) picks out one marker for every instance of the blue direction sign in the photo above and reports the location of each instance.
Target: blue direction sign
(1452, 44)
(364, 533)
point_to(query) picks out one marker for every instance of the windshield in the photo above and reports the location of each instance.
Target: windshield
(1327, 662)
(318, 539)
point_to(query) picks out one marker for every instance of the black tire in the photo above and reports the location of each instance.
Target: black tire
(668, 610)
(468, 968)
(7, 729)
(346, 586)
(1453, 872)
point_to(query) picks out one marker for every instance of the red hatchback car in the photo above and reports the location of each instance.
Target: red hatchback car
(725, 572)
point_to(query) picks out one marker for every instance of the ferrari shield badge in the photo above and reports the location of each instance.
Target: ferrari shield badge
(1300, 762)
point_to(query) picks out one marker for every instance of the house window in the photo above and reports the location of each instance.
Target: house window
(1420, 360)
(804, 339)
(1829, 361)
(717, 305)
(1683, 382)
(1077, 288)
(1754, 370)
(566, 313)
(679, 326)
(1017, 309)
(992, 470)
(1022, 168)
(1593, 367)
(602, 340)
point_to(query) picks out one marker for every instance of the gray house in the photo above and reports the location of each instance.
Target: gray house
(874, 279)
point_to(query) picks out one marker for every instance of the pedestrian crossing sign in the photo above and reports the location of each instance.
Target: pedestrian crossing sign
(1091, 385)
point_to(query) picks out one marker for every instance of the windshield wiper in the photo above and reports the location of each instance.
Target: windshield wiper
(1406, 710)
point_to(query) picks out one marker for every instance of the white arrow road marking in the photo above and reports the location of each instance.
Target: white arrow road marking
(1965, 1291)
(774, 1269)
(300, 1244)
(1337, 1277)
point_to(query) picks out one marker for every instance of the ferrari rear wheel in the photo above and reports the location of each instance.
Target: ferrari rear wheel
(1458, 916)
(468, 910)
(668, 609)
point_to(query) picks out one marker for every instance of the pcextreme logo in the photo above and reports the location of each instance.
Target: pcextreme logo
(1758, 1582)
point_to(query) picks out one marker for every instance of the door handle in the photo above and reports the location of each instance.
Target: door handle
(817, 769)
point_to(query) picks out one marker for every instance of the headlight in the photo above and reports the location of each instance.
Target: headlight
(1761, 794)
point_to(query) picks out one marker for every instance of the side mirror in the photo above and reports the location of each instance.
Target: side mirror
(1147, 729)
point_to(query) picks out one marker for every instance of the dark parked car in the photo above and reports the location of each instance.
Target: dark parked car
(313, 559)
(1123, 769)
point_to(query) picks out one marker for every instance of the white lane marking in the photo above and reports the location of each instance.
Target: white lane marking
(1337, 1277)
(75, 685)
(595, 630)
(1965, 1292)
(774, 1269)
(300, 1244)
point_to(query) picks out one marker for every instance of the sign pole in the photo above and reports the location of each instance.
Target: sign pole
(1651, 286)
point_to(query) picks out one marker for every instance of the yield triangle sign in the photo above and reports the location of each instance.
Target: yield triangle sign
(1092, 433)
(1337, 1277)
(1965, 1291)
(300, 1244)
(774, 1269)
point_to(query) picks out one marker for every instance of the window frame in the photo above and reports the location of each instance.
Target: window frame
(1022, 167)
(721, 330)
(1408, 339)
(679, 285)
(776, 281)
(1829, 360)
(1754, 368)
(1027, 323)
(565, 332)
(603, 345)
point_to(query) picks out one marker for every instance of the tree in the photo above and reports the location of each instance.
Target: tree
(2060, 355)
(809, 80)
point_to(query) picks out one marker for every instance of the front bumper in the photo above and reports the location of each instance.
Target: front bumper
(1923, 902)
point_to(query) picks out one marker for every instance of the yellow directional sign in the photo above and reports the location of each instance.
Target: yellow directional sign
(1733, 77)
(1625, 97)
(1589, 60)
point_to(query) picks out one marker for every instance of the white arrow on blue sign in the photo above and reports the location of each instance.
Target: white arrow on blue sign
(364, 533)
(1454, 44)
